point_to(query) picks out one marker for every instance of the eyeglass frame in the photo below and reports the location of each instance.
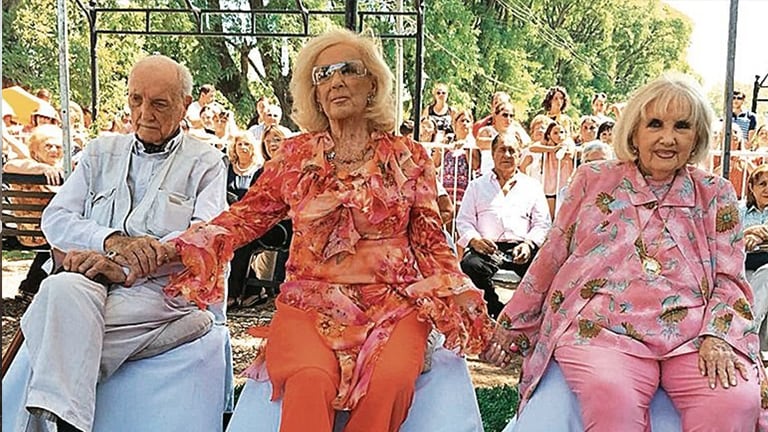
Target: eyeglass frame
(336, 67)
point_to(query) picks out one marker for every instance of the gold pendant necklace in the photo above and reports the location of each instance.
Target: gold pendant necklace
(651, 266)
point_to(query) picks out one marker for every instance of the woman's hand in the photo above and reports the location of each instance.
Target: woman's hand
(500, 349)
(718, 361)
(53, 175)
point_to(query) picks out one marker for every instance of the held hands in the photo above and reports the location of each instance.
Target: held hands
(718, 361)
(500, 350)
(94, 266)
(142, 255)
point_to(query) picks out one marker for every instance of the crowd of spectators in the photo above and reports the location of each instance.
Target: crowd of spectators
(548, 149)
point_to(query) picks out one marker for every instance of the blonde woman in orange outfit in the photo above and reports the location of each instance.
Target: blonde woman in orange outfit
(369, 271)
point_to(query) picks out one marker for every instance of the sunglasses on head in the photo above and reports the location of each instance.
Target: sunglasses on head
(350, 68)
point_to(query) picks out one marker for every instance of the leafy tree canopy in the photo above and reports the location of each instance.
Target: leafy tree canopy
(475, 46)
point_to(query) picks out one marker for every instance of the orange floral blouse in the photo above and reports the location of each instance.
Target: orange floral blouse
(367, 250)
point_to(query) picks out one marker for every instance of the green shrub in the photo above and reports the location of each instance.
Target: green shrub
(16, 255)
(497, 406)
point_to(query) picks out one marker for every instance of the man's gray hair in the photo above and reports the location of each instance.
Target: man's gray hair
(185, 80)
(182, 72)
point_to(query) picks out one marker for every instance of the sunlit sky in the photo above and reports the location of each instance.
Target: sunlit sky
(708, 51)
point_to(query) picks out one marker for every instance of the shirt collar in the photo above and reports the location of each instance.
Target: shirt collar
(680, 193)
(170, 144)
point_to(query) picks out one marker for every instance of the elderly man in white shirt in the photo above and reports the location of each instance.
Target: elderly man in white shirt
(108, 306)
(502, 221)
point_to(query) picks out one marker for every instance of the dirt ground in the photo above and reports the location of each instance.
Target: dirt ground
(244, 346)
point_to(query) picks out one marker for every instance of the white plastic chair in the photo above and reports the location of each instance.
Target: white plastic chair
(444, 401)
(188, 388)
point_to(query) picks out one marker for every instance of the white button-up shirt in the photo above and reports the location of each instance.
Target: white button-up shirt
(522, 214)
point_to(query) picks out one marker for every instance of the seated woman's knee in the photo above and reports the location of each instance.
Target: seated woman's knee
(313, 378)
(395, 377)
(739, 402)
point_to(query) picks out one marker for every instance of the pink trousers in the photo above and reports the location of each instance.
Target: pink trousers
(615, 389)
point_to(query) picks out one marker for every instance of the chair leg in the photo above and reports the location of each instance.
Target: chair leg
(12, 350)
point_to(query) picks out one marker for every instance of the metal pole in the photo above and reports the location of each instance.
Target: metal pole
(350, 14)
(64, 82)
(399, 70)
(728, 104)
(94, 63)
(419, 4)
(756, 93)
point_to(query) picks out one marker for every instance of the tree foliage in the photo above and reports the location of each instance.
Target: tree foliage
(475, 46)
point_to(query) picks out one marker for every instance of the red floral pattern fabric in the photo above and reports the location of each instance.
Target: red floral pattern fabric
(367, 250)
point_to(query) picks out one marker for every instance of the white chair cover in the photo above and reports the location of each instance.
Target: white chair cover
(188, 388)
(444, 401)
(554, 407)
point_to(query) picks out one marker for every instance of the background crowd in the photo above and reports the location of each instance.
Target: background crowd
(552, 145)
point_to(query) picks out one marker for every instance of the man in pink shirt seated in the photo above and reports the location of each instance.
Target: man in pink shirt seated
(503, 220)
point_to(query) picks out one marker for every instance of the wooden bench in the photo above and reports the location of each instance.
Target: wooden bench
(16, 200)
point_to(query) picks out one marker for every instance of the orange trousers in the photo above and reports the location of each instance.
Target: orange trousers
(308, 371)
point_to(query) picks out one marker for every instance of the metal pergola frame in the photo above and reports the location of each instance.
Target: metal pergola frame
(760, 83)
(353, 19)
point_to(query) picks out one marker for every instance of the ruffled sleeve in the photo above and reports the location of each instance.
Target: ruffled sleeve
(446, 295)
(206, 249)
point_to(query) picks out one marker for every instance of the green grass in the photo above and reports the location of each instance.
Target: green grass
(497, 406)
(13, 255)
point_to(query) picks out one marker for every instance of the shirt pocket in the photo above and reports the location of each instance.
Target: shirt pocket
(100, 206)
(172, 212)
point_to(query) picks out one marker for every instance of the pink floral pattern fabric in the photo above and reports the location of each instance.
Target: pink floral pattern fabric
(583, 286)
(367, 250)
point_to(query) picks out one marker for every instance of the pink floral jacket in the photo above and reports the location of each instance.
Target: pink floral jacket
(592, 247)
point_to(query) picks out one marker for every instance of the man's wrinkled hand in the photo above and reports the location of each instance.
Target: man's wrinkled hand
(718, 362)
(94, 266)
(483, 246)
(521, 253)
(142, 255)
(751, 241)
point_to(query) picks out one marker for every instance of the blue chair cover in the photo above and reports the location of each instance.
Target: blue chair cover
(444, 401)
(185, 389)
(554, 407)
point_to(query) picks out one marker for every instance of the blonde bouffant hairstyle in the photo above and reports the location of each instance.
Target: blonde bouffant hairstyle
(307, 113)
(40, 136)
(668, 91)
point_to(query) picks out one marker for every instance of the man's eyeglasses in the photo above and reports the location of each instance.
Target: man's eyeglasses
(351, 68)
(506, 115)
(739, 97)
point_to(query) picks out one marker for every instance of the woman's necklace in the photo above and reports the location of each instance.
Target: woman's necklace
(336, 160)
(652, 266)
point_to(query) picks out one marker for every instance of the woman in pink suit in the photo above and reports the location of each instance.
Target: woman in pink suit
(641, 281)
